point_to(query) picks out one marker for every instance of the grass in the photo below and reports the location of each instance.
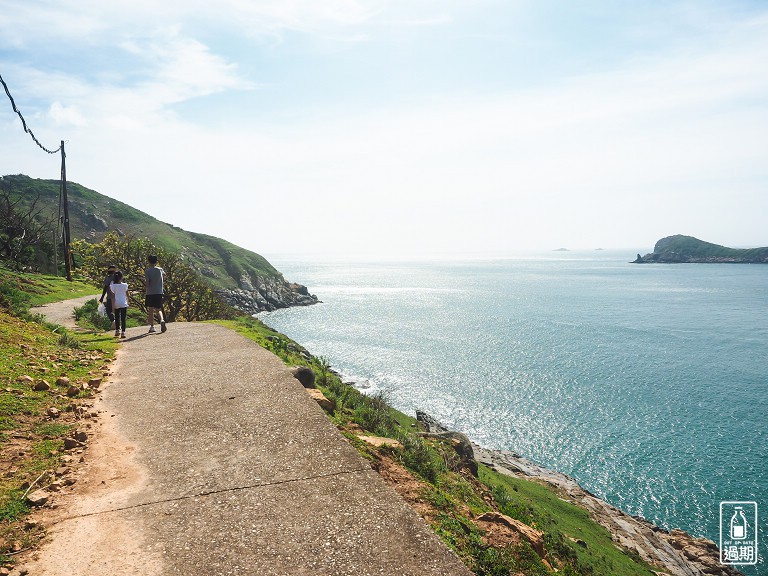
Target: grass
(31, 442)
(43, 289)
(575, 544)
(562, 523)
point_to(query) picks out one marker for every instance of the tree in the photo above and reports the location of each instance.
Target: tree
(186, 295)
(26, 236)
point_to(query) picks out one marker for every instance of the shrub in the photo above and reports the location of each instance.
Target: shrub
(68, 341)
(374, 414)
(89, 312)
(324, 367)
(512, 508)
(25, 232)
(420, 458)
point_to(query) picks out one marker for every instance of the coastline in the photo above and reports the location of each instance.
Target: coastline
(676, 551)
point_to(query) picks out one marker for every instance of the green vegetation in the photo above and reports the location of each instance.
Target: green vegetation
(681, 248)
(93, 216)
(38, 289)
(427, 472)
(88, 314)
(568, 530)
(31, 436)
(186, 295)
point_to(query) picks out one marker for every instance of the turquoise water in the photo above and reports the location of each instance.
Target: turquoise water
(647, 383)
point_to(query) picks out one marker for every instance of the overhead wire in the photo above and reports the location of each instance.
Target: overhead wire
(24, 122)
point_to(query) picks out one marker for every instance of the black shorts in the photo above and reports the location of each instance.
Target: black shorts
(153, 301)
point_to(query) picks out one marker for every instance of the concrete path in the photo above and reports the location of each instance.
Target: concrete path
(62, 313)
(212, 459)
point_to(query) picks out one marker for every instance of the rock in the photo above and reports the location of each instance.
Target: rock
(378, 441)
(38, 498)
(304, 375)
(533, 536)
(691, 553)
(25, 380)
(320, 398)
(81, 436)
(259, 294)
(41, 386)
(53, 412)
(73, 391)
(95, 382)
(458, 441)
(71, 444)
(429, 423)
(62, 381)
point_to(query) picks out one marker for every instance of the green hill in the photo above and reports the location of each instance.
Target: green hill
(687, 249)
(244, 278)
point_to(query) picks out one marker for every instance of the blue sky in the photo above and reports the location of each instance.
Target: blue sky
(384, 128)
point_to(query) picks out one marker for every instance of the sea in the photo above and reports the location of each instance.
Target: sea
(647, 383)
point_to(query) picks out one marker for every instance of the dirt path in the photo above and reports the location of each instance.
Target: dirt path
(209, 457)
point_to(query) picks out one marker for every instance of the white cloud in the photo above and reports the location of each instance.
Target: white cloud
(66, 115)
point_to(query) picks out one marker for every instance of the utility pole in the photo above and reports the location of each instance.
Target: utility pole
(67, 238)
(63, 198)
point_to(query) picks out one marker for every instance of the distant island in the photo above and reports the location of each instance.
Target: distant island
(680, 249)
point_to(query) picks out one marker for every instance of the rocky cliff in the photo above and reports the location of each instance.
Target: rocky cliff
(687, 249)
(262, 294)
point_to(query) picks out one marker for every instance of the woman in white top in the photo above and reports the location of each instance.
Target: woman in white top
(119, 290)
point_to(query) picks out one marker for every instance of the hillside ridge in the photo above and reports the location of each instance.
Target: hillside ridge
(680, 249)
(244, 279)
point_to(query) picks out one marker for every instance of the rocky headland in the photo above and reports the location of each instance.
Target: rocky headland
(264, 294)
(681, 249)
(676, 552)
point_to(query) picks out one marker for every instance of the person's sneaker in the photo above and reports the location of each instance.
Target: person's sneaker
(117, 333)
(163, 327)
(122, 335)
(152, 330)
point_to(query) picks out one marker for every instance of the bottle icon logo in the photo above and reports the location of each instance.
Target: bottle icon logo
(738, 533)
(738, 524)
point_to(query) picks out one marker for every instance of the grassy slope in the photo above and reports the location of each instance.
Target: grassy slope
(89, 209)
(455, 499)
(31, 441)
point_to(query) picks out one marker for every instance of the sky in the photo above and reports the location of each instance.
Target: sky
(420, 127)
